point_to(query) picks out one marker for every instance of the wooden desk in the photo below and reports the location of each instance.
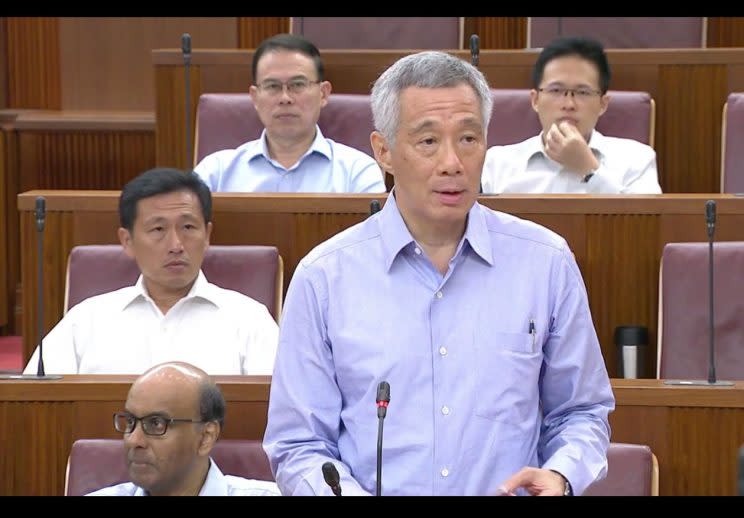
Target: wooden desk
(617, 240)
(41, 419)
(688, 85)
(695, 432)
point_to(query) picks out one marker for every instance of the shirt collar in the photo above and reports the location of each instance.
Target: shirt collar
(260, 147)
(396, 236)
(214, 485)
(201, 289)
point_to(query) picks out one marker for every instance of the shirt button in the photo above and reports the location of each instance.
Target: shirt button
(443, 350)
(440, 294)
(445, 410)
(417, 250)
(445, 472)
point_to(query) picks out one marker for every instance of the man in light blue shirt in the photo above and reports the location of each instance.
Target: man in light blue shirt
(478, 320)
(292, 155)
(173, 416)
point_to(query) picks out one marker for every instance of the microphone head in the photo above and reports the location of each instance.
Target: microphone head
(383, 392)
(710, 212)
(474, 44)
(330, 474)
(186, 43)
(40, 206)
(374, 207)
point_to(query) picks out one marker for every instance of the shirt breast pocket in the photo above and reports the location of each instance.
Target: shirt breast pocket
(507, 375)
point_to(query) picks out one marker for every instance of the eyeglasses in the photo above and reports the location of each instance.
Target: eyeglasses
(125, 422)
(582, 94)
(294, 86)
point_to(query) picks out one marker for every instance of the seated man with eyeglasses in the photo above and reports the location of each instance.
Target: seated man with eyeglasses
(571, 78)
(173, 416)
(292, 155)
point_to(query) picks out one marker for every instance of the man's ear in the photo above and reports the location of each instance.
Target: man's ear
(209, 232)
(209, 436)
(533, 99)
(382, 151)
(125, 238)
(325, 92)
(604, 102)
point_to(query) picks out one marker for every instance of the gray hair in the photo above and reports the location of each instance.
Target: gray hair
(430, 69)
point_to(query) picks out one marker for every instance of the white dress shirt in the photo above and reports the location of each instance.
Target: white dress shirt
(326, 167)
(625, 167)
(123, 332)
(216, 484)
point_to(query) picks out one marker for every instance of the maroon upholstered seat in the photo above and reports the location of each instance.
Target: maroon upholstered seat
(256, 271)
(732, 135)
(629, 115)
(683, 345)
(97, 463)
(225, 121)
(632, 470)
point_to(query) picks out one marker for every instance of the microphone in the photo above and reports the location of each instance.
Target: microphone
(374, 207)
(40, 214)
(710, 219)
(332, 478)
(383, 398)
(186, 51)
(474, 50)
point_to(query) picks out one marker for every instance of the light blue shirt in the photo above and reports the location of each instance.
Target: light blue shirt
(474, 396)
(326, 167)
(216, 484)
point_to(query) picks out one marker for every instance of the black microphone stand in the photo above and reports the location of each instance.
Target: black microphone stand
(710, 212)
(40, 214)
(383, 398)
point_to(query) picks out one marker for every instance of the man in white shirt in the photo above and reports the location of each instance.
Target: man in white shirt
(173, 416)
(173, 312)
(292, 155)
(571, 78)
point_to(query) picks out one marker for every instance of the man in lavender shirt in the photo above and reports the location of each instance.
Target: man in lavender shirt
(478, 320)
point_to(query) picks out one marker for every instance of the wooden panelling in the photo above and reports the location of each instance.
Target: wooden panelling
(725, 31)
(697, 153)
(11, 251)
(252, 30)
(65, 150)
(170, 141)
(100, 160)
(496, 32)
(617, 241)
(5, 297)
(693, 431)
(33, 63)
(688, 85)
(42, 420)
(623, 257)
(3, 63)
(106, 64)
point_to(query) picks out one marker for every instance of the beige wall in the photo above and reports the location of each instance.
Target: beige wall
(106, 63)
